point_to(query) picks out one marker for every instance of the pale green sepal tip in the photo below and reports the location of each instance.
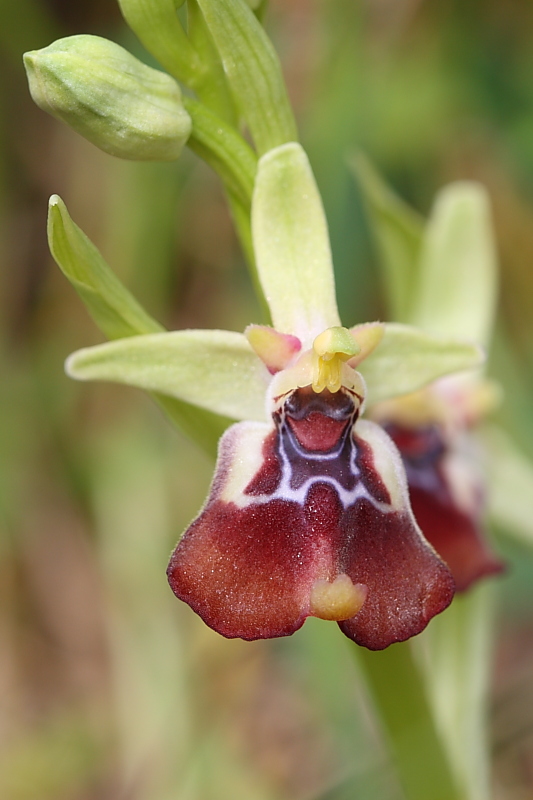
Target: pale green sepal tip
(291, 244)
(407, 359)
(110, 304)
(215, 370)
(458, 267)
(122, 106)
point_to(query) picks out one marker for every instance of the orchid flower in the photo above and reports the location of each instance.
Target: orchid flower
(453, 290)
(308, 513)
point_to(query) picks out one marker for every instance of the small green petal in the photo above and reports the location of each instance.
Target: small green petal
(408, 359)
(397, 230)
(110, 304)
(458, 272)
(292, 245)
(215, 370)
(253, 71)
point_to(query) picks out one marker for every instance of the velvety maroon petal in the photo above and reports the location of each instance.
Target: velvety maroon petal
(248, 571)
(407, 583)
(455, 531)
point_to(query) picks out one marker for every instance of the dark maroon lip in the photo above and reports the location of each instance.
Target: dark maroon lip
(316, 508)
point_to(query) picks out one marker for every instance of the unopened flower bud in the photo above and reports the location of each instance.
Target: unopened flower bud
(110, 97)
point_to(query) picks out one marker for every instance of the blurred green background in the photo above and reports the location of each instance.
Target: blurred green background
(110, 689)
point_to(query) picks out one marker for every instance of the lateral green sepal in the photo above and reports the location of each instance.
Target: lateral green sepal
(215, 370)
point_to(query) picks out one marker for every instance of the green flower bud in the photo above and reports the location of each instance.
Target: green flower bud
(111, 98)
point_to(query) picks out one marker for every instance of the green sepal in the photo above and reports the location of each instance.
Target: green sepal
(112, 307)
(458, 269)
(158, 27)
(253, 71)
(215, 370)
(121, 105)
(397, 231)
(291, 245)
(407, 359)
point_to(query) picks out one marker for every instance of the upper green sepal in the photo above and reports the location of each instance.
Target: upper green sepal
(110, 304)
(110, 97)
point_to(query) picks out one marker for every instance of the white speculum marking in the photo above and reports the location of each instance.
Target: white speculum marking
(286, 490)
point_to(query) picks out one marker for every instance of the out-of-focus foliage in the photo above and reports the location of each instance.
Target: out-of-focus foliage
(109, 688)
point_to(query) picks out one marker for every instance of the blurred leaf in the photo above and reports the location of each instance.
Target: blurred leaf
(291, 244)
(408, 359)
(398, 232)
(457, 280)
(216, 370)
(510, 476)
(457, 650)
(253, 71)
(113, 308)
(61, 758)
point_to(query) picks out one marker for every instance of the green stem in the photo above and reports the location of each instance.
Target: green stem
(224, 149)
(397, 690)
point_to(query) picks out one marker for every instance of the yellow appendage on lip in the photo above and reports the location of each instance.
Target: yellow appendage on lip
(339, 600)
(331, 349)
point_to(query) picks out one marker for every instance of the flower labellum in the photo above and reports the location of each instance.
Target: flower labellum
(309, 515)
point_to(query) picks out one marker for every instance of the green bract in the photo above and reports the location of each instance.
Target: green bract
(157, 25)
(253, 71)
(111, 98)
(110, 304)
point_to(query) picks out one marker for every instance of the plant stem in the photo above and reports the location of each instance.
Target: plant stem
(397, 690)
